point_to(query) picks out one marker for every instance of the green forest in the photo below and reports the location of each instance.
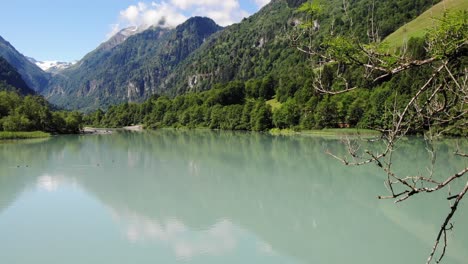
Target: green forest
(34, 113)
(21, 109)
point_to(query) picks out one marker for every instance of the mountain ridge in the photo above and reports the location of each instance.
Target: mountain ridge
(51, 66)
(110, 74)
(34, 77)
(11, 80)
(132, 66)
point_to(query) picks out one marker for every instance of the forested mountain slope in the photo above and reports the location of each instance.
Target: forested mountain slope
(129, 71)
(261, 45)
(195, 56)
(34, 77)
(10, 79)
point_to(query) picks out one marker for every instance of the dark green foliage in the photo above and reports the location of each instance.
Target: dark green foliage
(231, 106)
(261, 88)
(232, 93)
(29, 113)
(287, 115)
(417, 48)
(33, 113)
(225, 107)
(326, 114)
(261, 117)
(10, 79)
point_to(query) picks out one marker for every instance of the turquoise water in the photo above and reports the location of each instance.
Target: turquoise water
(213, 197)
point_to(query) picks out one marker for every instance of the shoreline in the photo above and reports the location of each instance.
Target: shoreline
(327, 132)
(95, 131)
(18, 135)
(109, 131)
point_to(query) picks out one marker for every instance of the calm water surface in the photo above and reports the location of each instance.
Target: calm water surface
(212, 197)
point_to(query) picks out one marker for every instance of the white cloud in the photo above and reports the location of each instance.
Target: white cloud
(115, 28)
(219, 239)
(131, 14)
(143, 15)
(185, 4)
(170, 13)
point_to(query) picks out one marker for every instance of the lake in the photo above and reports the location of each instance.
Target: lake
(213, 197)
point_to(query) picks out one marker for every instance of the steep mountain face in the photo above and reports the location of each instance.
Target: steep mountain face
(261, 45)
(198, 54)
(256, 47)
(128, 68)
(119, 38)
(10, 79)
(34, 77)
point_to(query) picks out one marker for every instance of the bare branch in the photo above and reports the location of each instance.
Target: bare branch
(443, 228)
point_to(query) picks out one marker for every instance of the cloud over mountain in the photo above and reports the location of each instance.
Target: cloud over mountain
(171, 13)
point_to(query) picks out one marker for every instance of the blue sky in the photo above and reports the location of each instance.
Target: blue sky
(66, 30)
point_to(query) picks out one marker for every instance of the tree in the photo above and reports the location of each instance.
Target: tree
(287, 115)
(326, 113)
(436, 107)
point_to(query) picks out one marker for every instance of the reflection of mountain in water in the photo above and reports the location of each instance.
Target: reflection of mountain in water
(283, 190)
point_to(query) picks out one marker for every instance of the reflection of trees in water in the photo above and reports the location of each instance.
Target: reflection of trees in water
(283, 189)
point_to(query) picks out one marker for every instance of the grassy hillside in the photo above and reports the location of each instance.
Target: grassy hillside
(418, 26)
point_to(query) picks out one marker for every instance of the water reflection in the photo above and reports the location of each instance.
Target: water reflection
(221, 194)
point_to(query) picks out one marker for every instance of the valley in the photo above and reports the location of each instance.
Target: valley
(234, 131)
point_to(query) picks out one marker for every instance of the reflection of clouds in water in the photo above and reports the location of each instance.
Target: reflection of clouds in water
(51, 183)
(265, 249)
(194, 168)
(217, 240)
(132, 158)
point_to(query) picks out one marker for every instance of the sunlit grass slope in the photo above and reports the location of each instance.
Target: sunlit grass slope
(418, 27)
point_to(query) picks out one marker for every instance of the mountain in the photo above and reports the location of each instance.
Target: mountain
(119, 38)
(55, 67)
(253, 48)
(51, 66)
(199, 54)
(34, 77)
(10, 79)
(128, 67)
(261, 45)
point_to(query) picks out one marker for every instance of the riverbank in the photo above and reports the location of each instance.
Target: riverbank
(108, 131)
(7, 135)
(96, 131)
(327, 132)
